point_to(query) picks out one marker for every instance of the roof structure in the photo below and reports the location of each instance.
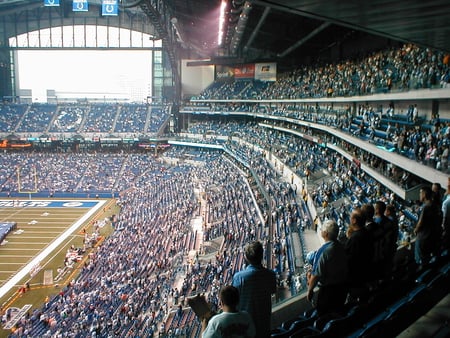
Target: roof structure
(291, 32)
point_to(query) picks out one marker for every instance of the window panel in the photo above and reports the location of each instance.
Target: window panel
(79, 36)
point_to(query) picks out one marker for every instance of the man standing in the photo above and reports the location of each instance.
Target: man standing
(230, 322)
(330, 271)
(428, 228)
(359, 252)
(415, 114)
(256, 284)
(446, 219)
(388, 244)
(376, 234)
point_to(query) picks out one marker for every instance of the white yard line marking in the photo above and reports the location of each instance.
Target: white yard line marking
(14, 256)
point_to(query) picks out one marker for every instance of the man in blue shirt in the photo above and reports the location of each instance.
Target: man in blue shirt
(330, 272)
(256, 284)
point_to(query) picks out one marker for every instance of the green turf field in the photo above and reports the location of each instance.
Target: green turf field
(37, 247)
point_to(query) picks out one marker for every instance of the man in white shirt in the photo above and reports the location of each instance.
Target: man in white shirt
(230, 322)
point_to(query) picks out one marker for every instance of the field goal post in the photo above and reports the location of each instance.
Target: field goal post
(27, 180)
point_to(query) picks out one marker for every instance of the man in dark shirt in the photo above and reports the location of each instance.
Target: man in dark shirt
(391, 237)
(359, 252)
(385, 235)
(376, 238)
(428, 228)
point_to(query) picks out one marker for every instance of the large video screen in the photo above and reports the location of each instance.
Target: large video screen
(124, 74)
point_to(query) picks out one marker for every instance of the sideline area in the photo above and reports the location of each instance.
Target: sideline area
(94, 206)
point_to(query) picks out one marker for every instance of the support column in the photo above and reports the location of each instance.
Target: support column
(6, 87)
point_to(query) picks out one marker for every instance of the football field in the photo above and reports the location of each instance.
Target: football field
(44, 229)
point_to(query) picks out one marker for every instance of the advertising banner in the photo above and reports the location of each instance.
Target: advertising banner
(244, 72)
(223, 72)
(266, 71)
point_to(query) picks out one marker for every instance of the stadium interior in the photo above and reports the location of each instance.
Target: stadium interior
(291, 114)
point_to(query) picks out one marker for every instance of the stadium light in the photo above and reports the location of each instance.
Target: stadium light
(223, 6)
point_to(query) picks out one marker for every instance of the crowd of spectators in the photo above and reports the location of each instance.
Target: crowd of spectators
(68, 119)
(126, 282)
(115, 172)
(348, 180)
(10, 115)
(157, 118)
(112, 292)
(131, 119)
(346, 187)
(138, 277)
(36, 119)
(82, 118)
(426, 141)
(81, 172)
(59, 172)
(405, 68)
(162, 199)
(100, 119)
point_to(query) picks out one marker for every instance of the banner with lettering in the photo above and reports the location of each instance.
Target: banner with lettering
(110, 8)
(244, 72)
(80, 6)
(223, 72)
(266, 71)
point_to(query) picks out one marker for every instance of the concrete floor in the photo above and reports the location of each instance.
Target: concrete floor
(435, 323)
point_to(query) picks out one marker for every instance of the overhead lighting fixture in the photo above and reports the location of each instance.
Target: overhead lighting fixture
(223, 6)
